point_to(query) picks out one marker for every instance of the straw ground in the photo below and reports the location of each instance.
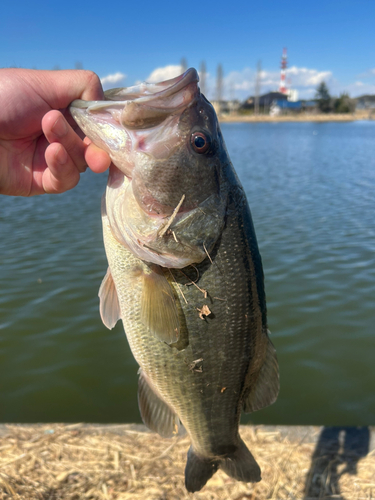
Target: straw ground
(74, 462)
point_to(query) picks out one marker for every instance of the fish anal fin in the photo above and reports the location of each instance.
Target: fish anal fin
(155, 412)
(109, 304)
(263, 389)
(158, 306)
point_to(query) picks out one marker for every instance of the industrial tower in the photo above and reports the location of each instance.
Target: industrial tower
(284, 65)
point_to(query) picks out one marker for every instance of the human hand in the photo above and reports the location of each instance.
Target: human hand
(40, 149)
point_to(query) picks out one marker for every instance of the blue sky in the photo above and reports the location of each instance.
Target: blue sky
(330, 40)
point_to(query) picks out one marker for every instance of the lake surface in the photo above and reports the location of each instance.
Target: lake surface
(311, 189)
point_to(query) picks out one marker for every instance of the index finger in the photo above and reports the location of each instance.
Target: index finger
(60, 88)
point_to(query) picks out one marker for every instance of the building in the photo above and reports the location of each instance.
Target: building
(282, 107)
(265, 101)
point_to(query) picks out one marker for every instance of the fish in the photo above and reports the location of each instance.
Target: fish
(184, 274)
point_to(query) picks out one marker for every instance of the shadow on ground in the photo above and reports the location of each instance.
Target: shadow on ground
(337, 452)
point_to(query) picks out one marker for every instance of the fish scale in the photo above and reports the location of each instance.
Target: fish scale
(174, 208)
(210, 404)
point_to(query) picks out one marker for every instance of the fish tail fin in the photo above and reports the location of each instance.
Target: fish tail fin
(241, 465)
(198, 471)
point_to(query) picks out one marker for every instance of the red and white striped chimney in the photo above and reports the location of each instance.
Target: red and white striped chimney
(284, 64)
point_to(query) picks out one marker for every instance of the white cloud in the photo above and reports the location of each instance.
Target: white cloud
(171, 71)
(165, 73)
(358, 88)
(363, 86)
(367, 74)
(112, 79)
(242, 83)
(305, 77)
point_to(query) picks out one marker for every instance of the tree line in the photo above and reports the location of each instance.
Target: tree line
(326, 103)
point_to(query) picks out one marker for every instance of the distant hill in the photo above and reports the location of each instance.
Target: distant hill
(370, 97)
(365, 101)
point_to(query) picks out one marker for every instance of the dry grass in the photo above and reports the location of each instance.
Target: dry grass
(74, 462)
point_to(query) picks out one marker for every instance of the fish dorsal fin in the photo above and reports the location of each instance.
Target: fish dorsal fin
(158, 306)
(109, 305)
(264, 390)
(155, 413)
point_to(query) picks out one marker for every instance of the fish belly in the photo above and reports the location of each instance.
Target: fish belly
(202, 377)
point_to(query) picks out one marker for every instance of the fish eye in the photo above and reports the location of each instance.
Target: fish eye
(200, 142)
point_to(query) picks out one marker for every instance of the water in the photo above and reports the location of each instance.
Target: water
(311, 190)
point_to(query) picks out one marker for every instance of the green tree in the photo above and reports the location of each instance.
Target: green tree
(344, 104)
(323, 98)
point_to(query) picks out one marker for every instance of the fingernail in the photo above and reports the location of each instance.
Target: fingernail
(60, 127)
(62, 156)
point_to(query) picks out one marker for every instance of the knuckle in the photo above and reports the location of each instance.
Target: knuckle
(93, 79)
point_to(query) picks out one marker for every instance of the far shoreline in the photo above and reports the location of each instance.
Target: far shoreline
(303, 117)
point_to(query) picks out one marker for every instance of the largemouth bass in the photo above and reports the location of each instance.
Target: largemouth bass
(184, 271)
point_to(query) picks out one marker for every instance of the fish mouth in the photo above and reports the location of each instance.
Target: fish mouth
(143, 118)
(145, 105)
(151, 91)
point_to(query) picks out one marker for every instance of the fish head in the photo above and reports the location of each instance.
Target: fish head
(165, 198)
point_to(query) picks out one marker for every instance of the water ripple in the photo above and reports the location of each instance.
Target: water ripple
(311, 190)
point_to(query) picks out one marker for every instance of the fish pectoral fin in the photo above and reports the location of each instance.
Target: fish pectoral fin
(109, 305)
(155, 412)
(158, 306)
(266, 387)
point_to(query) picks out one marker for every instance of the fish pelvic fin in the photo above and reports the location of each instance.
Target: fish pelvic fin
(198, 470)
(109, 305)
(158, 306)
(264, 390)
(241, 465)
(155, 412)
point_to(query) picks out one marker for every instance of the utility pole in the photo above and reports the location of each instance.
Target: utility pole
(257, 87)
(231, 90)
(219, 88)
(219, 83)
(183, 64)
(202, 78)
